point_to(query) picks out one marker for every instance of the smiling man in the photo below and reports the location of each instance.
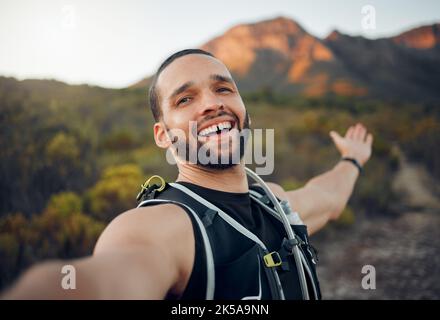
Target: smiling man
(211, 234)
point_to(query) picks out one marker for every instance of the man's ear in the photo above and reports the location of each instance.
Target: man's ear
(161, 136)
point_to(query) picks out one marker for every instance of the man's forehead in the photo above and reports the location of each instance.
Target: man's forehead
(190, 68)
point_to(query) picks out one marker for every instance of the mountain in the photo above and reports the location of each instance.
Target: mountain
(144, 83)
(405, 66)
(426, 37)
(281, 55)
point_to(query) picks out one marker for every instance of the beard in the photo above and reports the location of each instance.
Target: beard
(235, 150)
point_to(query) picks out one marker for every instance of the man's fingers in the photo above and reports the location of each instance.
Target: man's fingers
(349, 133)
(335, 136)
(369, 139)
(359, 132)
(363, 133)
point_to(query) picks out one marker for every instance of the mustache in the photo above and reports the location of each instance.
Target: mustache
(207, 118)
(220, 114)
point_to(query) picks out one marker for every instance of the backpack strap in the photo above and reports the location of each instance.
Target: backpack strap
(202, 224)
(257, 194)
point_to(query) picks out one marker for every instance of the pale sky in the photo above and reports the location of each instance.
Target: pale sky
(116, 43)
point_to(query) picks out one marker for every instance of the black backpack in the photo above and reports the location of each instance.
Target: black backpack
(254, 274)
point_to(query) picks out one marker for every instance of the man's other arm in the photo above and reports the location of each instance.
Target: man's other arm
(325, 196)
(136, 257)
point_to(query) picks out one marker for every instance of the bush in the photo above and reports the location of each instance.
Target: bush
(115, 192)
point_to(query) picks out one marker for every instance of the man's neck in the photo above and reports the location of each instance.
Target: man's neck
(229, 180)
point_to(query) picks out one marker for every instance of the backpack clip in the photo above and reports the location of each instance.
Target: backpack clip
(269, 260)
(150, 190)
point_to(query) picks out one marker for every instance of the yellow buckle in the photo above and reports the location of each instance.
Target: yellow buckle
(269, 261)
(147, 183)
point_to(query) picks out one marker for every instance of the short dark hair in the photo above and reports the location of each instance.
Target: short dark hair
(153, 95)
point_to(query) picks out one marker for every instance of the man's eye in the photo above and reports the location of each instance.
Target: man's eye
(183, 100)
(224, 89)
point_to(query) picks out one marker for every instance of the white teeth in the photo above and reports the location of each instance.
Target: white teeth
(215, 127)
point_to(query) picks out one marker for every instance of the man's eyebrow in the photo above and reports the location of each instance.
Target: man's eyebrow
(186, 85)
(181, 89)
(220, 78)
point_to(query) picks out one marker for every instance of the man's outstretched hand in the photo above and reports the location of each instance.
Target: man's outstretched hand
(355, 144)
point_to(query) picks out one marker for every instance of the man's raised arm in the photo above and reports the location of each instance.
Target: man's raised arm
(136, 257)
(325, 196)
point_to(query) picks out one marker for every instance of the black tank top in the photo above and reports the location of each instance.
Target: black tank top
(244, 210)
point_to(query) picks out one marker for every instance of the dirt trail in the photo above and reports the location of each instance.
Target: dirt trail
(418, 189)
(405, 250)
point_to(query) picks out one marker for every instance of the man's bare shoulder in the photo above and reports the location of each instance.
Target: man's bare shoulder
(146, 225)
(278, 190)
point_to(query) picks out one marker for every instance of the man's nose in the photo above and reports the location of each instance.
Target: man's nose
(210, 103)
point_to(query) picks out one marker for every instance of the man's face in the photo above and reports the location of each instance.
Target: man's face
(199, 89)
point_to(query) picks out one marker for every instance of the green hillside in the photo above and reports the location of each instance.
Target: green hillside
(73, 157)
